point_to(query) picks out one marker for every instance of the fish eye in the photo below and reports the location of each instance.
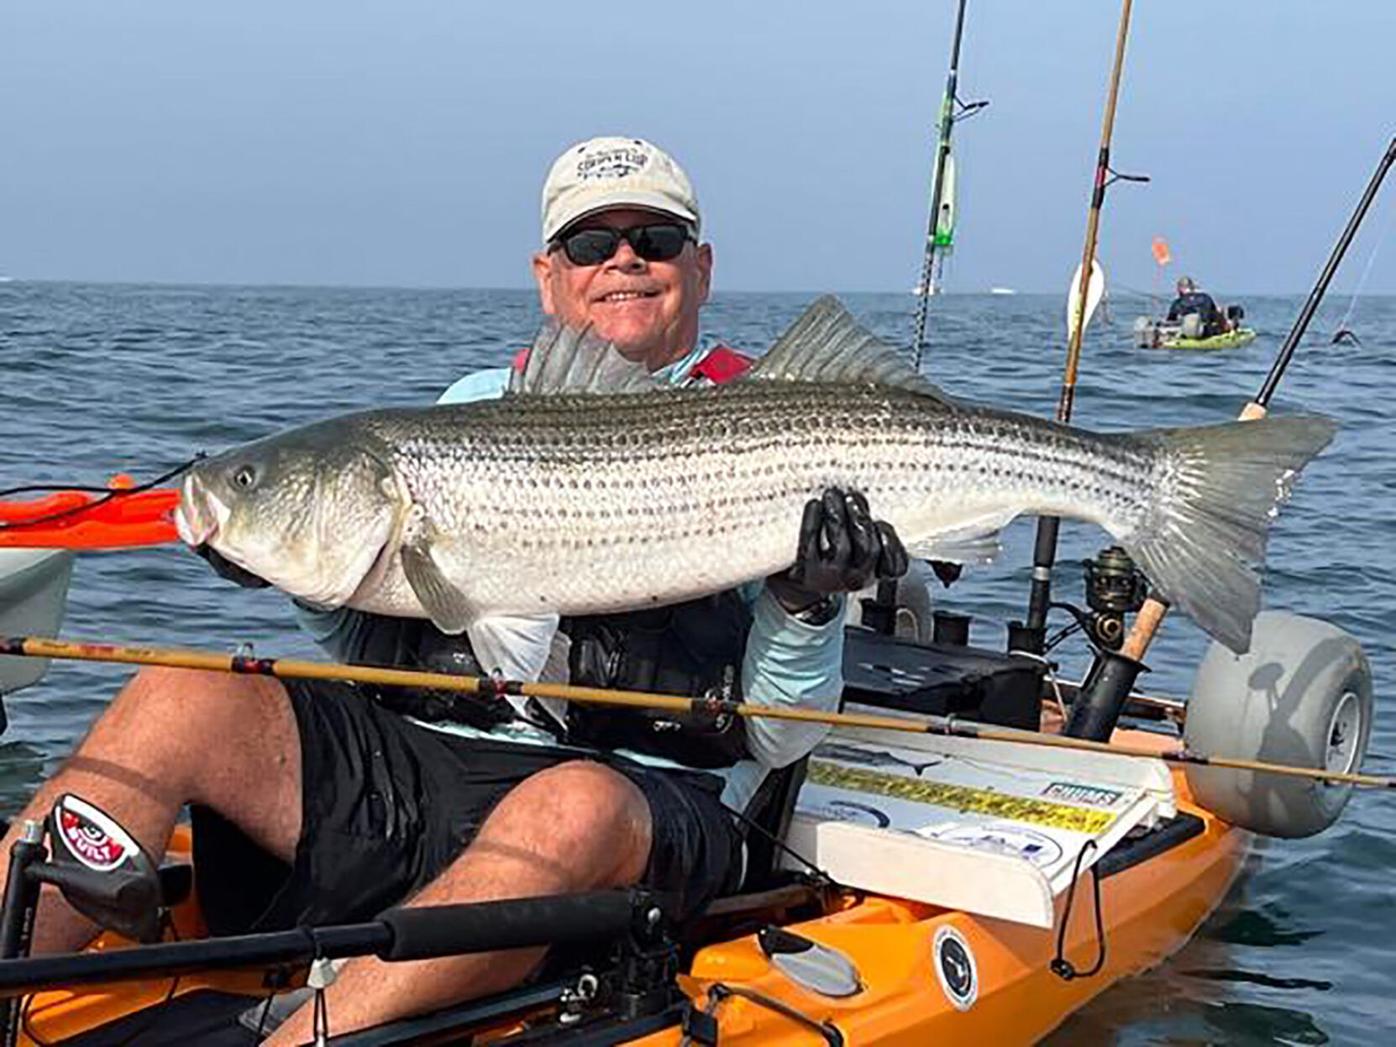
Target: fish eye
(245, 478)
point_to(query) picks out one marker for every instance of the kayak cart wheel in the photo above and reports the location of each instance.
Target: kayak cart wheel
(1301, 695)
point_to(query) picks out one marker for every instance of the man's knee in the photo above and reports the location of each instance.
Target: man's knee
(584, 812)
(196, 698)
(182, 720)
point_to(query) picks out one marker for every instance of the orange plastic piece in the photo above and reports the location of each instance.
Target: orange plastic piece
(121, 522)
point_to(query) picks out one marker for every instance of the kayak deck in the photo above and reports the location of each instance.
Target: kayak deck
(1149, 910)
(921, 969)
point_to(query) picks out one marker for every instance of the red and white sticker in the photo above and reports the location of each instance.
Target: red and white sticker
(92, 837)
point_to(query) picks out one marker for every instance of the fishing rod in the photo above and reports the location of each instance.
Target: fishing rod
(496, 687)
(951, 110)
(1088, 284)
(1150, 616)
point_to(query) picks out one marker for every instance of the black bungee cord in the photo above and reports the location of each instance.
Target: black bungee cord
(108, 494)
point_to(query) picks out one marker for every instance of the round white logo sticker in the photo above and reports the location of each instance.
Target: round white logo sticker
(955, 968)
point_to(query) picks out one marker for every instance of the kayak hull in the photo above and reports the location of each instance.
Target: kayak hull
(1149, 910)
(1230, 340)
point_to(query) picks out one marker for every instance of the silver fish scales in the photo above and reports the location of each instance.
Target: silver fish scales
(582, 502)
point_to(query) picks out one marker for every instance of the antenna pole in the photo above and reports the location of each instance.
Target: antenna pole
(947, 123)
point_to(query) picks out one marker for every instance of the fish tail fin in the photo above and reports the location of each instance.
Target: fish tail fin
(1219, 487)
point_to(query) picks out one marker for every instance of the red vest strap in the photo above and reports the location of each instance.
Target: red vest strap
(722, 365)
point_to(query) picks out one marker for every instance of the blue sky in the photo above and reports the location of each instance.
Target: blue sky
(404, 143)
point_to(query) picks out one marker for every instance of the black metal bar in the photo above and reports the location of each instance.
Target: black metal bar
(564, 919)
(1301, 324)
(21, 893)
(170, 958)
(947, 123)
(406, 933)
(1044, 555)
(432, 1028)
(17, 920)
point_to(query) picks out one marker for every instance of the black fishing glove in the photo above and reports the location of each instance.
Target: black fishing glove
(225, 568)
(842, 549)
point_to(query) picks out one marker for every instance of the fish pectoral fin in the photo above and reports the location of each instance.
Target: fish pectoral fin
(977, 542)
(449, 609)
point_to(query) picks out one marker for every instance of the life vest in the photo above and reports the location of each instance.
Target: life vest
(691, 649)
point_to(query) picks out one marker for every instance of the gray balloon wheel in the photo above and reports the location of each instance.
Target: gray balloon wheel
(1302, 695)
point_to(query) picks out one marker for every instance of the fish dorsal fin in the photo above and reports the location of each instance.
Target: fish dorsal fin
(827, 345)
(571, 360)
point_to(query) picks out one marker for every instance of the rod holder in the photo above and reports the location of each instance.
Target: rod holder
(1025, 638)
(1103, 693)
(951, 629)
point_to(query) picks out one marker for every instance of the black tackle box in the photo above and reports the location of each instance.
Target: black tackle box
(941, 679)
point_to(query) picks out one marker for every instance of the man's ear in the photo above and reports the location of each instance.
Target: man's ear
(543, 273)
(705, 271)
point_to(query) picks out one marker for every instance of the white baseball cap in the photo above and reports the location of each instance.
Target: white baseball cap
(603, 173)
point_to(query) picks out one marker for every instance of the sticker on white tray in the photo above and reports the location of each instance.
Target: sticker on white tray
(1090, 795)
(1000, 838)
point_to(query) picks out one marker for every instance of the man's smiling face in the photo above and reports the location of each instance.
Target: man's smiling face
(648, 309)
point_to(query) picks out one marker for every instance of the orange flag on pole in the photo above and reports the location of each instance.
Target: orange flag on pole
(1161, 253)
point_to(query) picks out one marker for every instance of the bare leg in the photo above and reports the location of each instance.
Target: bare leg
(577, 826)
(175, 736)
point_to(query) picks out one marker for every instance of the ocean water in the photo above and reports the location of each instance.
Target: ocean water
(99, 379)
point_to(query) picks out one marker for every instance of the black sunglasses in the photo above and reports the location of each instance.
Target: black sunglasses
(655, 242)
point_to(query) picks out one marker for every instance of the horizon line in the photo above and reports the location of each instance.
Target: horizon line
(994, 291)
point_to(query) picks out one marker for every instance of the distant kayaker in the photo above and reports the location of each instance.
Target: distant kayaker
(1189, 301)
(317, 802)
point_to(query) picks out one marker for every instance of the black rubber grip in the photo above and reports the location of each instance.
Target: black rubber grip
(564, 919)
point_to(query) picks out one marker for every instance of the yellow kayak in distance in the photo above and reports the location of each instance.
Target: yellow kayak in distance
(1230, 340)
(1166, 334)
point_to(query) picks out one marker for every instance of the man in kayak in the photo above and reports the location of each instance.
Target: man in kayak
(322, 802)
(1190, 300)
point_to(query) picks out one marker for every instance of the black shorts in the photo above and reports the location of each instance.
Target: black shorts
(388, 804)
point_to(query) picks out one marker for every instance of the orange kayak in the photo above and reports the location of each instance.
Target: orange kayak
(923, 973)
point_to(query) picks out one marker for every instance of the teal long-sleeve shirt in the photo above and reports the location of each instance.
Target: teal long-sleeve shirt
(788, 662)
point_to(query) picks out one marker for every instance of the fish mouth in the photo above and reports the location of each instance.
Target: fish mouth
(199, 514)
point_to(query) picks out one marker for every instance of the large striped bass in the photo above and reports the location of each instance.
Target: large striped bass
(559, 497)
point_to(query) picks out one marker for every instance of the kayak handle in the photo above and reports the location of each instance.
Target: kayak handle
(565, 919)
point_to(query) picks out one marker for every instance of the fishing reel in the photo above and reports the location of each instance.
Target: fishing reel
(1114, 588)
